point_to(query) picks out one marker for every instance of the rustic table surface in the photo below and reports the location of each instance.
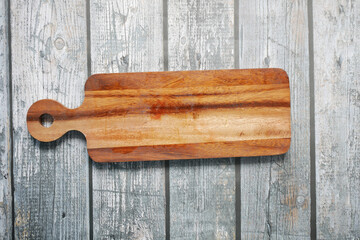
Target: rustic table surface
(53, 190)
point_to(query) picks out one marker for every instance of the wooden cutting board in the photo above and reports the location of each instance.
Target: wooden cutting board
(175, 115)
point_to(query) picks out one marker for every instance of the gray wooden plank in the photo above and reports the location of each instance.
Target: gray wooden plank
(128, 198)
(202, 192)
(337, 118)
(275, 191)
(49, 61)
(5, 138)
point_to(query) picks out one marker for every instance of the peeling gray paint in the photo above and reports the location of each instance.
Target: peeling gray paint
(275, 191)
(5, 143)
(128, 198)
(50, 179)
(337, 118)
(202, 191)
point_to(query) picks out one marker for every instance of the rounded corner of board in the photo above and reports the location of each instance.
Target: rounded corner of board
(286, 147)
(284, 73)
(92, 156)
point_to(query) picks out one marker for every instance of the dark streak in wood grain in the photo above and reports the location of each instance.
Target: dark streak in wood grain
(158, 109)
(191, 151)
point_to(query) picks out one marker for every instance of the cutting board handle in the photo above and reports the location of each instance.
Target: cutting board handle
(54, 110)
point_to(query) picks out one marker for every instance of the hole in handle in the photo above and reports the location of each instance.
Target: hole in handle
(46, 120)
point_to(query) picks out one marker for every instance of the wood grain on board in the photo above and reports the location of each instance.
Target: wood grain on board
(51, 198)
(128, 198)
(5, 136)
(275, 191)
(337, 118)
(202, 191)
(175, 115)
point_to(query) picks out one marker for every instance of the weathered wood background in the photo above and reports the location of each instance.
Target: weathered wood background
(53, 190)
